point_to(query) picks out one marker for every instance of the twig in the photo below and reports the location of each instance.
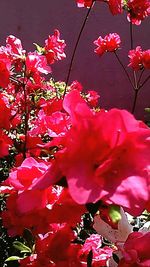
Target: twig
(76, 45)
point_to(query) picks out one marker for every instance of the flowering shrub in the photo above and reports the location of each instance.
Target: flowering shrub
(74, 174)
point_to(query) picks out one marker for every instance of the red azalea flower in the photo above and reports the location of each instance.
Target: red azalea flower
(22, 179)
(14, 47)
(36, 64)
(109, 43)
(5, 112)
(47, 249)
(92, 98)
(65, 209)
(5, 65)
(146, 59)
(136, 56)
(54, 48)
(5, 143)
(138, 10)
(104, 162)
(58, 209)
(136, 250)
(84, 3)
(115, 6)
(75, 85)
(100, 255)
(101, 49)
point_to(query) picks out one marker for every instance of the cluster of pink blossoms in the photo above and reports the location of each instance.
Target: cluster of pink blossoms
(69, 153)
(139, 59)
(137, 10)
(109, 43)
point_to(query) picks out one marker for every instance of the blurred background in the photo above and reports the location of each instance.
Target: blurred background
(32, 21)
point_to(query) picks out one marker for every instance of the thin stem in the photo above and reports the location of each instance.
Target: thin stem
(127, 74)
(136, 89)
(140, 86)
(26, 114)
(135, 80)
(131, 35)
(140, 77)
(76, 45)
(135, 100)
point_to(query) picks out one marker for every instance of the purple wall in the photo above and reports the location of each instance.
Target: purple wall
(33, 20)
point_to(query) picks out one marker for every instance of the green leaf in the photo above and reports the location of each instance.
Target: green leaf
(114, 213)
(39, 48)
(20, 246)
(13, 258)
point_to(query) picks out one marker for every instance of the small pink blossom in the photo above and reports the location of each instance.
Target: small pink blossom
(100, 255)
(36, 64)
(135, 57)
(54, 48)
(109, 43)
(138, 10)
(146, 59)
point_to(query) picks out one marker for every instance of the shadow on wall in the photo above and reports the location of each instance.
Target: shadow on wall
(32, 21)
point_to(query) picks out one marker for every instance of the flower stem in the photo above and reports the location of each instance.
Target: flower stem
(76, 45)
(26, 115)
(140, 77)
(131, 35)
(136, 88)
(127, 74)
(135, 100)
(140, 86)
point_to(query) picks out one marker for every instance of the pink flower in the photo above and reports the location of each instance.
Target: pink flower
(76, 85)
(136, 57)
(14, 47)
(84, 3)
(54, 48)
(5, 65)
(100, 255)
(22, 180)
(92, 98)
(47, 248)
(146, 59)
(104, 162)
(5, 143)
(136, 250)
(138, 10)
(109, 43)
(139, 58)
(5, 112)
(101, 46)
(115, 6)
(36, 64)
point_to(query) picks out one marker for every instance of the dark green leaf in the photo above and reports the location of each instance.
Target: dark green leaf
(20, 246)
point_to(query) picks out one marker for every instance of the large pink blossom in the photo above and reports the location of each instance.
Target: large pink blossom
(106, 156)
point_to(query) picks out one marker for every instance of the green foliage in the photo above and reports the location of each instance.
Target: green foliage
(21, 247)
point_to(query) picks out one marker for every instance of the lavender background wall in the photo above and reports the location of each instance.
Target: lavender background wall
(32, 21)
